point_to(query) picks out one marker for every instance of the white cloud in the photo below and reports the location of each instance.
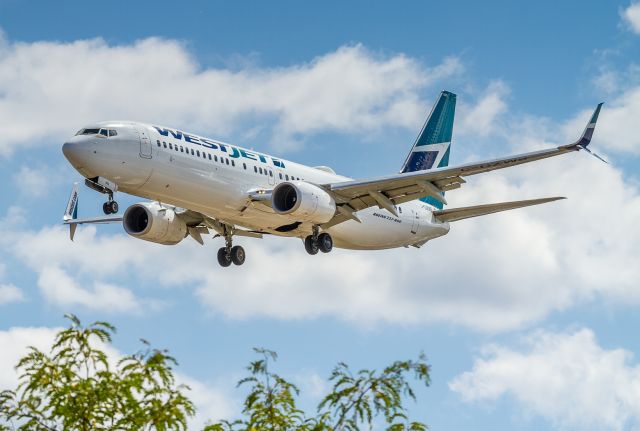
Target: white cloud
(10, 293)
(482, 117)
(60, 288)
(211, 402)
(616, 131)
(13, 345)
(64, 281)
(50, 89)
(607, 81)
(565, 377)
(631, 16)
(37, 182)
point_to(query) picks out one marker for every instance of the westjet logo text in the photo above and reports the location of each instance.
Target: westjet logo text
(231, 151)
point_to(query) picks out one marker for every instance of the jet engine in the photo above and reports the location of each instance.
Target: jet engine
(303, 201)
(152, 222)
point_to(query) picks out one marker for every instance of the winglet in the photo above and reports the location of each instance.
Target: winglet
(585, 139)
(71, 213)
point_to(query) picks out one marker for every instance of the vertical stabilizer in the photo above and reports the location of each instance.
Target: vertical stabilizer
(433, 145)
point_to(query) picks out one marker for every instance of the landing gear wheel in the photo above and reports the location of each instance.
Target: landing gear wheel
(110, 207)
(311, 245)
(224, 258)
(325, 242)
(237, 255)
(113, 206)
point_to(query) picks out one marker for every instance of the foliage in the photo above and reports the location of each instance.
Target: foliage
(75, 387)
(356, 400)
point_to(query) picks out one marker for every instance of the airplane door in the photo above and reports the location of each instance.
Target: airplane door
(280, 175)
(272, 176)
(415, 222)
(145, 144)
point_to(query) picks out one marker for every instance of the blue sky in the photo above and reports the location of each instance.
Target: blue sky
(527, 318)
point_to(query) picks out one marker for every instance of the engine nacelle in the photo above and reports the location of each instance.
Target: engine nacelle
(303, 202)
(152, 222)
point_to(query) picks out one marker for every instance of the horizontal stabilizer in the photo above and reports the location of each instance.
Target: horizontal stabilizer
(456, 214)
(95, 220)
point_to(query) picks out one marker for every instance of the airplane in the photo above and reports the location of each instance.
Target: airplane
(196, 185)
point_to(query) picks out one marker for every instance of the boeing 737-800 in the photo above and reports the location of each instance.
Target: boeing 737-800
(195, 185)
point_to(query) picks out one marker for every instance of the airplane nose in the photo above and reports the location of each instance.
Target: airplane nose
(72, 152)
(66, 149)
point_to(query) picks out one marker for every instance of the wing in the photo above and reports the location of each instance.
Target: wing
(389, 191)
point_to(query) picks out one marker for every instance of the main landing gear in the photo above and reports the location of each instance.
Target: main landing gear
(111, 206)
(318, 242)
(229, 253)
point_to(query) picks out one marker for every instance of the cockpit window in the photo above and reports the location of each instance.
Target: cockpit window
(103, 132)
(88, 132)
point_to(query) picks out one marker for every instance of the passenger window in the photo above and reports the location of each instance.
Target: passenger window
(170, 146)
(198, 153)
(260, 169)
(175, 147)
(226, 160)
(255, 169)
(164, 144)
(209, 156)
(215, 158)
(244, 165)
(270, 173)
(158, 142)
(192, 152)
(233, 163)
(286, 176)
(181, 149)
(280, 175)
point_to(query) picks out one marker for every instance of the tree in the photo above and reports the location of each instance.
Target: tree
(77, 387)
(356, 399)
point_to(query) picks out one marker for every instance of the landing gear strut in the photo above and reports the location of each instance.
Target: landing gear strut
(229, 253)
(318, 242)
(111, 206)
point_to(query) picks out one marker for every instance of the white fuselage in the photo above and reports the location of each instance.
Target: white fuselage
(215, 179)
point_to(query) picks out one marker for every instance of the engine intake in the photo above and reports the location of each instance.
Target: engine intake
(153, 222)
(303, 201)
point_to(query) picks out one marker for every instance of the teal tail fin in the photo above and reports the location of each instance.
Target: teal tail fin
(431, 149)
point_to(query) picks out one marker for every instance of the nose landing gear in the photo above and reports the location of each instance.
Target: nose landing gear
(104, 186)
